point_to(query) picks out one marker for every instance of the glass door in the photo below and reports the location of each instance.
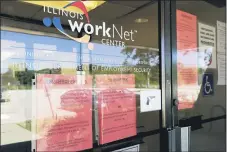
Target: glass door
(201, 68)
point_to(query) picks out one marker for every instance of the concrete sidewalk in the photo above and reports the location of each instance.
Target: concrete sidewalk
(13, 133)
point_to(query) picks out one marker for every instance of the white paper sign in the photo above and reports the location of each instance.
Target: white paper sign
(135, 148)
(221, 49)
(221, 68)
(207, 45)
(221, 42)
(150, 100)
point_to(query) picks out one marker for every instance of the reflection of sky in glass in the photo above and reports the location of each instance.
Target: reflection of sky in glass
(41, 52)
(9, 50)
(187, 57)
(46, 51)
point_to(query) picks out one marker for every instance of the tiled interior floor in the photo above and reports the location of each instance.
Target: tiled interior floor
(215, 142)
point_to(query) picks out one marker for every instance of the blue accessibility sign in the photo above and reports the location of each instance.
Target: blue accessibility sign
(208, 84)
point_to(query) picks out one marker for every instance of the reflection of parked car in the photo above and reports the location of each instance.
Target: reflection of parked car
(4, 97)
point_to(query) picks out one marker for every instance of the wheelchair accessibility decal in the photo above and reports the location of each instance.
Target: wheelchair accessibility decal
(208, 84)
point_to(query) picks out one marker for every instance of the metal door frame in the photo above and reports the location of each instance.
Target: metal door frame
(169, 77)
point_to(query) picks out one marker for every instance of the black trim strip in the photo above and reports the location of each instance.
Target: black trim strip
(213, 119)
(196, 121)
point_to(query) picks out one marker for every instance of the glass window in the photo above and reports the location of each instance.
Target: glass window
(74, 74)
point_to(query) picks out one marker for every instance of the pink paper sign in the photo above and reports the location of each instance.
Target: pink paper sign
(64, 113)
(116, 107)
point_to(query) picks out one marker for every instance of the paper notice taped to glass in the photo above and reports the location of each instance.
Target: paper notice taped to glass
(221, 49)
(221, 37)
(207, 46)
(150, 100)
(116, 106)
(221, 68)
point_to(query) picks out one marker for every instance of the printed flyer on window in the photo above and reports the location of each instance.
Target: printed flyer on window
(187, 68)
(63, 112)
(116, 107)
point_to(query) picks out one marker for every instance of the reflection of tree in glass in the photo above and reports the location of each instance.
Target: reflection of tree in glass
(135, 59)
(143, 58)
(22, 79)
(8, 77)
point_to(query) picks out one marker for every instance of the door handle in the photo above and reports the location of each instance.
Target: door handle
(175, 103)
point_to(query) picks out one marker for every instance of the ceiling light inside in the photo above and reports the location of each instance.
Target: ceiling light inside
(141, 20)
